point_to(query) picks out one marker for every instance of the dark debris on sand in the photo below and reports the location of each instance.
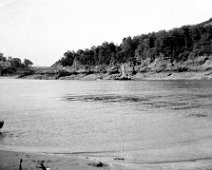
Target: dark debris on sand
(98, 164)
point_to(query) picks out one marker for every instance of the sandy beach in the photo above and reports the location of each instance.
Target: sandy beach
(10, 160)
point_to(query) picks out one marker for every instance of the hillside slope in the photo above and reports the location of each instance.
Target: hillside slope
(188, 48)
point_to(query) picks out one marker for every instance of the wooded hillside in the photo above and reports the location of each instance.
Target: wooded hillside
(177, 45)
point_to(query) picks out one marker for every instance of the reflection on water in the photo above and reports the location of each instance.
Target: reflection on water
(140, 121)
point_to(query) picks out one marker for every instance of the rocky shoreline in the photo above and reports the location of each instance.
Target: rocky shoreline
(160, 69)
(205, 75)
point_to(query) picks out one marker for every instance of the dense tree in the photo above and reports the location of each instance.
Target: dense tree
(175, 45)
(16, 62)
(2, 58)
(12, 65)
(27, 62)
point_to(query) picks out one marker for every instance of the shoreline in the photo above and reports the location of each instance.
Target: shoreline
(203, 75)
(10, 160)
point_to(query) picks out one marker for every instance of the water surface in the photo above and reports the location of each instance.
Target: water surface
(142, 121)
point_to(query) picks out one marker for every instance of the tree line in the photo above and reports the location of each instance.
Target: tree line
(178, 44)
(10, 65)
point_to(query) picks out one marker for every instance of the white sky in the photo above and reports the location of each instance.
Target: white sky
(42, 30)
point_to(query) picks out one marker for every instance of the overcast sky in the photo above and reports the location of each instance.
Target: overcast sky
(42, 30)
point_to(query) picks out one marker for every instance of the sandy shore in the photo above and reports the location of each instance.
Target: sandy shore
(10, 160)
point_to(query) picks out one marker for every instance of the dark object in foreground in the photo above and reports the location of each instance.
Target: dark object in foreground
(42, 166)
(97, 164)
(20, 166)
(1, 125)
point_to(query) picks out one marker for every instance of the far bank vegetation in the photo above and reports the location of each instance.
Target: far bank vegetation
(188, 48)
(14, 66)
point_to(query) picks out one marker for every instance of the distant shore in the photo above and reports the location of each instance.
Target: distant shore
(201, 75)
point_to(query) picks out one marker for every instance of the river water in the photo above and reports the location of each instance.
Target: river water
(142, 121)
